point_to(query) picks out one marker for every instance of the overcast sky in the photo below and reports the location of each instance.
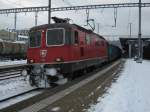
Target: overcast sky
(104, 17)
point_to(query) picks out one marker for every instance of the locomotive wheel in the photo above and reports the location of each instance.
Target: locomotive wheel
(53, 84)
(71, 76)
(76, 74)
(83, 72)
(33, 81)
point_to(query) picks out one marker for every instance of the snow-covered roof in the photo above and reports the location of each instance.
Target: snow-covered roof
(22, 36)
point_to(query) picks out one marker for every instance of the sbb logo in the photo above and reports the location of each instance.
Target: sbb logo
(43, 53)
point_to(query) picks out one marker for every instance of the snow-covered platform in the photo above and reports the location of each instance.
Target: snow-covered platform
(130, 93)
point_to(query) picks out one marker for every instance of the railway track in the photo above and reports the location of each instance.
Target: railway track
(4, 103)
(7, 72)
(42, 105)
(11, 67)
(20, 94)
(52, 91)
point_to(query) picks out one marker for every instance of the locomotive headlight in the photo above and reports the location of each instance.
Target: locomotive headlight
(58, 59)
(24, 72)
(31, 60)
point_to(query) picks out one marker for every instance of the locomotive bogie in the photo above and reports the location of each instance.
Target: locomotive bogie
(43, 76)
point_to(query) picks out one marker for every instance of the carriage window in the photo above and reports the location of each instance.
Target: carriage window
(76, 38)
(55, 36)
(34, 39)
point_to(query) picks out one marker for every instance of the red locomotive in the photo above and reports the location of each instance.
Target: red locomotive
(57, 50)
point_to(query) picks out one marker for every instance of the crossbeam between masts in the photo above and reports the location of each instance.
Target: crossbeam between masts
(46, 8)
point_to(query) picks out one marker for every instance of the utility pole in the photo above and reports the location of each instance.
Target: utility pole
(15, 22)
(49, 12)
(36, 18)
(130, 48)
(15, 26)
(139, 37)
(130, 29)
(98, 28)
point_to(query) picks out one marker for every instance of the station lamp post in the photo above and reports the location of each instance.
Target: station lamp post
(36, 18)
(15, 22)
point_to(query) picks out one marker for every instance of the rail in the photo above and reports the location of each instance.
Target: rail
(11, 71)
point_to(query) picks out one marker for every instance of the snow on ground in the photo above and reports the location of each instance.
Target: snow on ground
(12, 87)
(18, 99)
(9, 62)
(130, 93)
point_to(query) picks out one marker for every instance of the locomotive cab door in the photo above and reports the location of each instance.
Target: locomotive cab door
(78, 44)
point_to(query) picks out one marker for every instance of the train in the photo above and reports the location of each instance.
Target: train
(57, 51)
(12, 50)
(114, 52)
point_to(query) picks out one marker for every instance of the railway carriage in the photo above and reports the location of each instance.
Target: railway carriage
(58, 50)
(114, 52)
(12, 50)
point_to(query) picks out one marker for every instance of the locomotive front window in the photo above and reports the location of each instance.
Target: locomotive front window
(55, 36)
(35, 39)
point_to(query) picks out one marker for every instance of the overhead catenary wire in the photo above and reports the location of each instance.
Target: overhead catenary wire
(115, 14)
(19, 3)
(87, 13)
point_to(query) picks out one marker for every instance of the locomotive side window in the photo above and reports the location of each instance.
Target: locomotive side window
(35, 39)
(55, 36)
(103, 44)
(97, 42)
(76, 38)
(88, 39)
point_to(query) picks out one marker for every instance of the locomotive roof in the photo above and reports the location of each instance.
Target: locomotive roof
(64, 25)
(55, 25)
(89, 31)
